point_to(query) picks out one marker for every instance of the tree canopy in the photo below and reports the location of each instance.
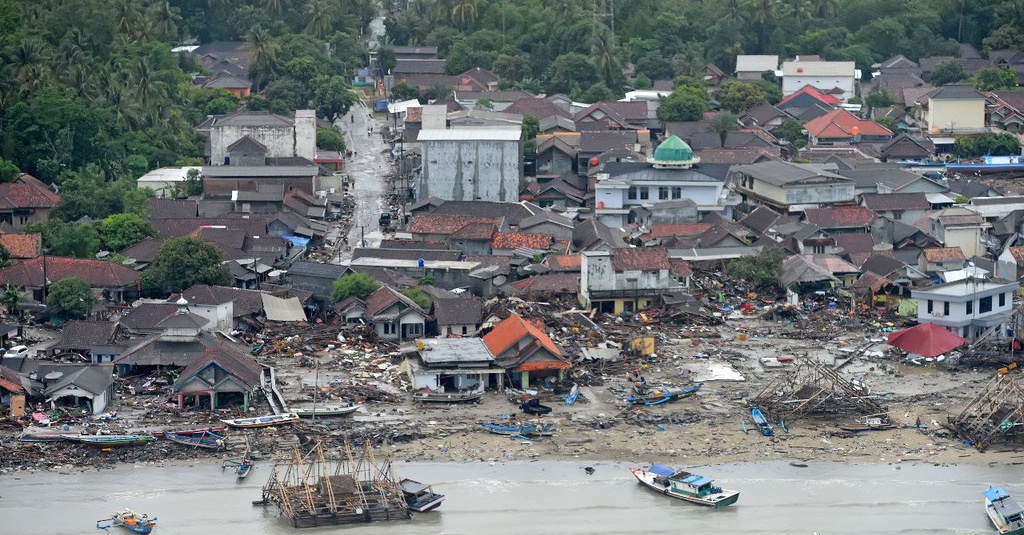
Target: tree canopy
(183, 262)
(70, 298)
(360, 285)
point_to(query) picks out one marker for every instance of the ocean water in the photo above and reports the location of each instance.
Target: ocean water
(543, 497)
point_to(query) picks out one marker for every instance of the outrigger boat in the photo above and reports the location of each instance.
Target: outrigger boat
(130, 520)
(659, 396)
(209, 440)
(1005, 513)
(525, 429)
(761, 422)
(446, 397)
(264, 421)
(420, 497)
(685, 486)
(217, 429)
(242, 468)
(109, 440)
(326, 412)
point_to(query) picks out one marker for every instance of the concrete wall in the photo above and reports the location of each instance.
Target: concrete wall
(281, 142)
(820, 193)
(793, 83)
(484, 170)
(954, 115)
(967, 239)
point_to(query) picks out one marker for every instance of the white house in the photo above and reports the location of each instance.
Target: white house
(968, 307)
(836, 78)
(625, 280)
(165, 179)
(281, 136)
(750, 67)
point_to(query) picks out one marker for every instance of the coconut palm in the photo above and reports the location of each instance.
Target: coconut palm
(464, 13)
(605, 54)
(723, 123)
(165, 19)
(262, 56)
(320, 16)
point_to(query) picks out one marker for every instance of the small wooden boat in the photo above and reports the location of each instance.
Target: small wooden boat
(574, 393)
(761, 422)
(446, 397)
(524, 429)
(871, 424)
(326, 412)
(203, 431)
(420, 497)
(130, 520)
(110, 440)
(210, 441)
(658, 396)
(263, 421)
(685, 486)
(1005, 513)
(535, 407)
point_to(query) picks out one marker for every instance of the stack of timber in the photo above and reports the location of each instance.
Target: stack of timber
(324, 488)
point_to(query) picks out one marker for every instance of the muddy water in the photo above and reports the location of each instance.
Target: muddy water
(544, 497)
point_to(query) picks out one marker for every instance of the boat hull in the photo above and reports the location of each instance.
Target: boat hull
(199, 441)
(326, 412)
(263, 421)
(110, 440)
(724, 498)
(1004, 512)
(664, 397)
(436, 397)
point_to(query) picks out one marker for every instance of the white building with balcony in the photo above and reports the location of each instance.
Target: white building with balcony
(968, 307)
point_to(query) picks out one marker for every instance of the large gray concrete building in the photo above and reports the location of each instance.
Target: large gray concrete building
(471, 164)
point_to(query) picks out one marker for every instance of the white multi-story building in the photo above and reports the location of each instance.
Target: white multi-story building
(968, 307)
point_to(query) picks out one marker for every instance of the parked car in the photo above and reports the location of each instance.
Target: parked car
(16, 351)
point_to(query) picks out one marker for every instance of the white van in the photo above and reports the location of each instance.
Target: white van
(17, 351)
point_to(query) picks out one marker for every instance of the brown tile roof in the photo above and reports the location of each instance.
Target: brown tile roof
(255, 225)
(838, 217)
(96, 273)
(148, 315)
(15, 195)
(840, 123)
(475, 231)
(84, 335)
(22, 246)
(245, 302)
(887, 202)
(173, 208)
(384, 297)
(414, 114)
(538, 107)
(446, 224)
(852, 242)
(242, 367)
(514, 240)
(1018, 255)
(513, 329)
(557, 283)
(640, 259)
(943, 254)
(568, 262)
(680, 268)
(661, 230)
(458, 311)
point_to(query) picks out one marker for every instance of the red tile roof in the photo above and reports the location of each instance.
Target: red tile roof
(640, 259)
(840, 123)
(514, 240)
(513, 329)
(558, 283)
(242, 368)
(839, 217)
(22, 246)
(944, 254)
(97, 273)
(384, 297)
(828, 100)
(661, 230)
(680, 268)
(568, 262)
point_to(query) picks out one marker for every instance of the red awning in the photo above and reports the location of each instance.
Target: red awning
(926, 339)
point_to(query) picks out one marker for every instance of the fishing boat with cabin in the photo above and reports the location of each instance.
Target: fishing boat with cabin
(129, 520)
(1005, 513)
(420, 497)
(685, 486)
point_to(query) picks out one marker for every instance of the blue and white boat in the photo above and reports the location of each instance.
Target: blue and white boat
(685, 486)
(1005, 513)
(761, 422)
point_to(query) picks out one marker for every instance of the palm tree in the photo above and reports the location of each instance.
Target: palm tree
(275, 6)
(262, 56)
(824, 9)
(148, 89)
(761, 14)
(126, 14)
(321, 18)
(723, 123)
(605, 54)
(166, 19)
(464, 13)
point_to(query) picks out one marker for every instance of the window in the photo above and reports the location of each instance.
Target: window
(931, 306)
(970, 307)
(414, 329)
(898, 214)
(631, 193)
(389, 328)
(945, 308)
(465, 330)
(644, 194)
(677, 192)
(819, 249)
(1002, 299)
(663, 193)
(985, 305)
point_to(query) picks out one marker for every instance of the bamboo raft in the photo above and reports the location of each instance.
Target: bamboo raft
(332, 488)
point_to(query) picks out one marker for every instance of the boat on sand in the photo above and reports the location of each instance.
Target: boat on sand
(264, 421)
(685, 486)
(761, 421)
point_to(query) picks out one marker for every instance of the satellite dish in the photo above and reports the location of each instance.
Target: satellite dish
(499, 280)
(53, 376)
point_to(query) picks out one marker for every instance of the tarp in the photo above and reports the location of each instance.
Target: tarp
(926, 339)
(907, 308)
(278, 309)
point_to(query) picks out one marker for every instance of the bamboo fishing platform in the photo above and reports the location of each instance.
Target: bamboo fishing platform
(324, 488)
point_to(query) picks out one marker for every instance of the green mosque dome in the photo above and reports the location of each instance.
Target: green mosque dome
(674, 152)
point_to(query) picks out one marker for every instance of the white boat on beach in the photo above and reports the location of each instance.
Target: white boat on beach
(326, 412)
(263, 421)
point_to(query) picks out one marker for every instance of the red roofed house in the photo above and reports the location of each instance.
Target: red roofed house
(26, 200)
(505, 243)
(470, 234)
(841, 126)
(625, 280)
(937, 259)
(118, 283)
(12, 389)
(22, 246)
(395, 316)
(841, 220)
(812, 92)
(521, 346)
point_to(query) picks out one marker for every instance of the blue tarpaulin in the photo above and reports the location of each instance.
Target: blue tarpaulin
(301, 241)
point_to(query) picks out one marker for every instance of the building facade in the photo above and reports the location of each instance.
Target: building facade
(471, 164)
